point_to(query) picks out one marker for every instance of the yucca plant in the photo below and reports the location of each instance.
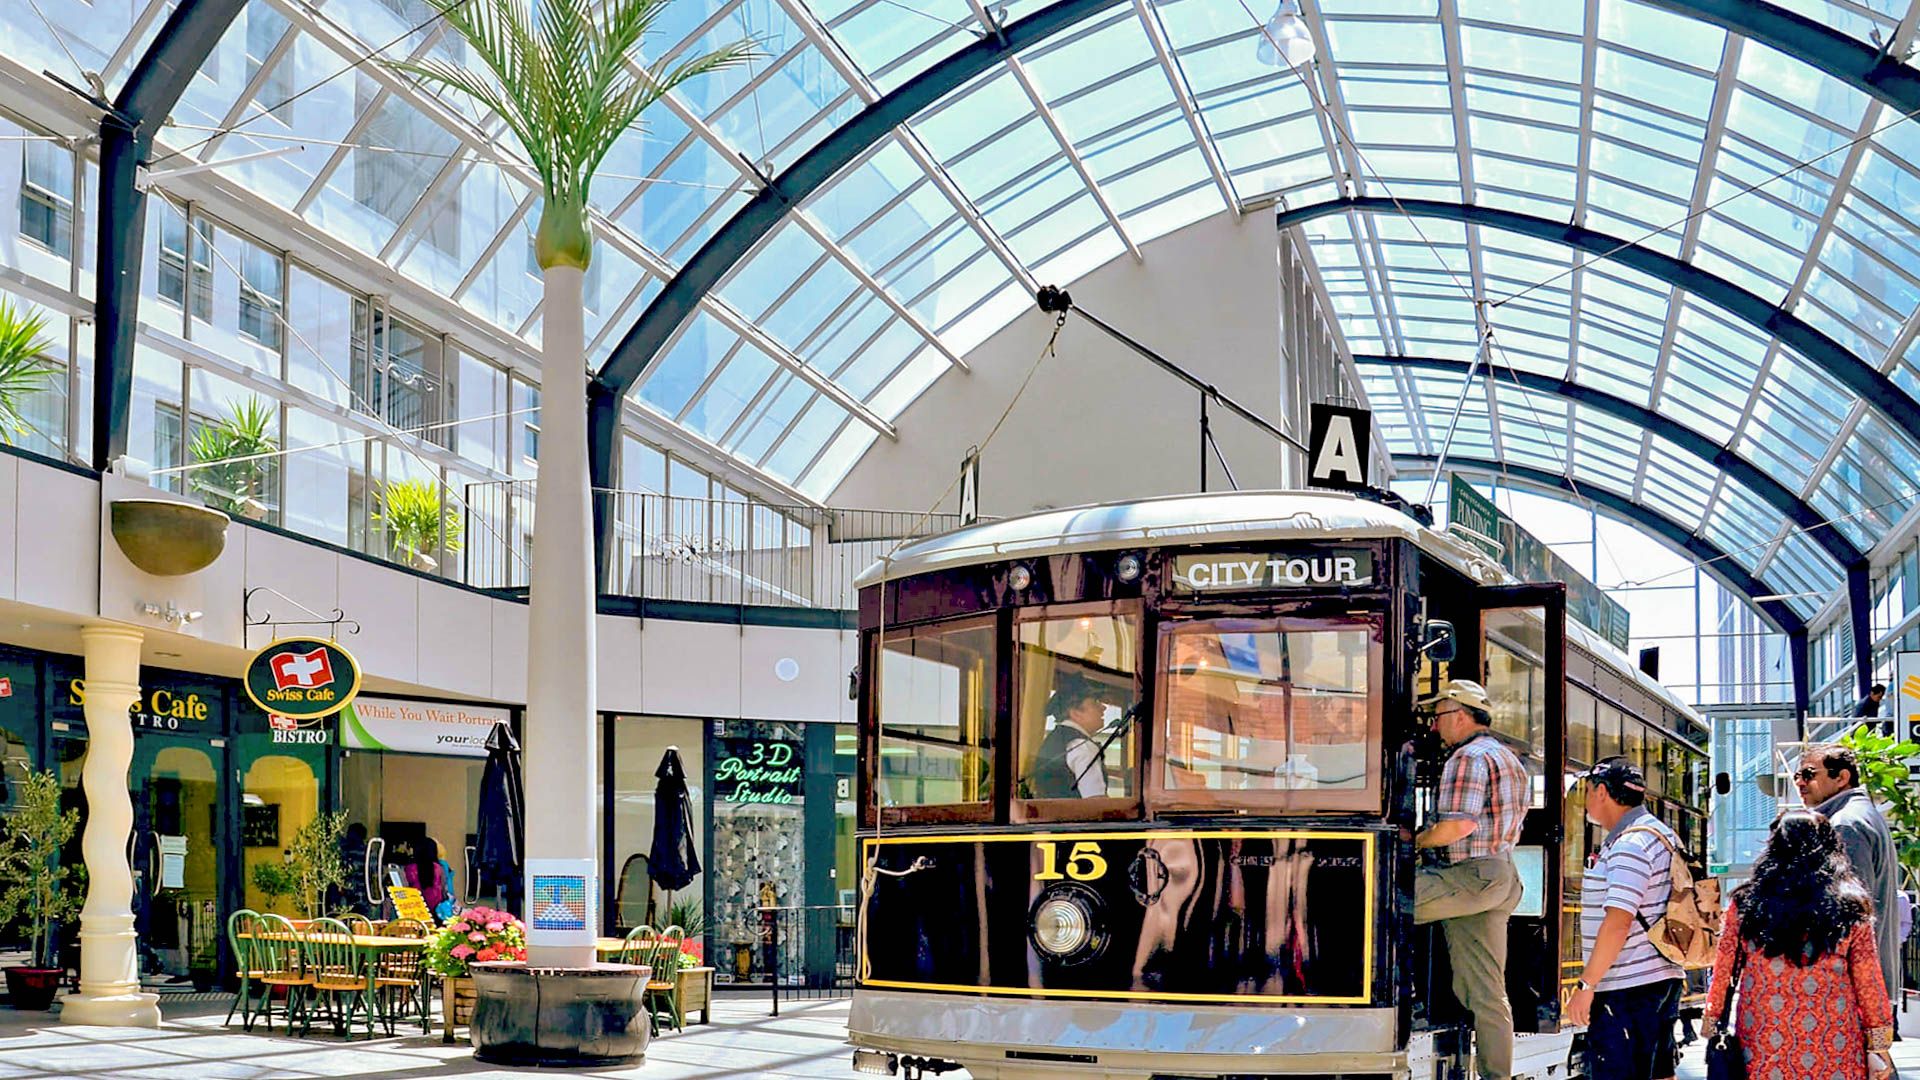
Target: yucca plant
(567, 79)
(25, 366)
(233, 475)
(412, 515)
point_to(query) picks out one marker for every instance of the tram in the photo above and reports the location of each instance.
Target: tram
(1212, 876)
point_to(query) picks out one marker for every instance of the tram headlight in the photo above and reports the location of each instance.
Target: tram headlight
(1019, 577)
(1129, 567)
(1067, 924)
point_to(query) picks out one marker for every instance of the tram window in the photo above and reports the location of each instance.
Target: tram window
(1579, 726)
(1075, 686)
(1634, 742)
(1656, 766)
(936, 715)
(1608, 734)
(1516, 682)
(1265, 706)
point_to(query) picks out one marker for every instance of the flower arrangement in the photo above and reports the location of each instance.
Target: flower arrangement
(476, 935)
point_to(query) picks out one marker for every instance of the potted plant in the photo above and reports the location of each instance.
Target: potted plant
(34, 886)
(25, 367)
(275, 882)
(235, 473)
(314, 862)
(476, 935)
(413, 516)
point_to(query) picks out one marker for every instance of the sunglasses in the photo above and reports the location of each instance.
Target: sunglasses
(1805, 775)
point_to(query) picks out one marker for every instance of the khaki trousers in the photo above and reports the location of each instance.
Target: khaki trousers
(1471, 901)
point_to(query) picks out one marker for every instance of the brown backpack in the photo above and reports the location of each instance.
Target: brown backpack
(1689, 931)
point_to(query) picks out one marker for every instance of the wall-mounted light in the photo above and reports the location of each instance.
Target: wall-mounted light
(170, 614)
(1285, 40)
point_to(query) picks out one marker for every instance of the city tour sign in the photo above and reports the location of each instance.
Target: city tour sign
(302, 678)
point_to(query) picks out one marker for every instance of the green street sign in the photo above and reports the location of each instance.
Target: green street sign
(302, 678)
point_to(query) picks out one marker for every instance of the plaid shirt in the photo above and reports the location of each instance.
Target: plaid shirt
(1485, 783)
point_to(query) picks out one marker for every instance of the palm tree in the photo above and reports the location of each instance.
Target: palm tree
(25, 367)
(568, 82)
(235, 455)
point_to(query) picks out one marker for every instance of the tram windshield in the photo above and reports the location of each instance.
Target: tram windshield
(1253, 707)
(1076, 685)
(936, 746)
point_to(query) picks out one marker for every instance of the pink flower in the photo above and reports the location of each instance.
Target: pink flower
(494, 928)
(461, 952)
(459, 927)
(477, 938)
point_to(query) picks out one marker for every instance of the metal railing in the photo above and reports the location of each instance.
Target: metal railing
(807, 952)
(709, 550)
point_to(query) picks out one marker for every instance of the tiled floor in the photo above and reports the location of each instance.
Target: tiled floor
(807, 1040)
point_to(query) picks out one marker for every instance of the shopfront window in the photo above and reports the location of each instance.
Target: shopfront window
(1273, 713)
(936, 708)
(639, 743)
(279, 796)
(1076, 690)
(19, 720)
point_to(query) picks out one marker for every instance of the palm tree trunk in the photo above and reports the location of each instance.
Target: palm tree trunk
(561, 763)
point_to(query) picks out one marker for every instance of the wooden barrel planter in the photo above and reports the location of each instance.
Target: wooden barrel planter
(457, 996)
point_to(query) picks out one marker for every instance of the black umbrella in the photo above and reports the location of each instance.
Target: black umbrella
(673, 860)
(502, 816)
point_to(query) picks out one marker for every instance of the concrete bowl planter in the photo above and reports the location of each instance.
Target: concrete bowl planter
(579, 1017)
(166, 538)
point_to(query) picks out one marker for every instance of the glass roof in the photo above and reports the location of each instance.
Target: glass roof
(1137, 121)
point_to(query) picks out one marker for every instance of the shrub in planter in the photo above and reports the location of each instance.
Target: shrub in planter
(34, 887)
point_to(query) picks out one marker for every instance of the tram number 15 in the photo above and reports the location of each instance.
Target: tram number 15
(1084, 862)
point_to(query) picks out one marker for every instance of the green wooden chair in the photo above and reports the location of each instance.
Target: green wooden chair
(399, 975)
(663, 986)
(242, 922)
(342, 974)
(276, 959)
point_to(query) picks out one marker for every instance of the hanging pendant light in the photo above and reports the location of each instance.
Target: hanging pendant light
(1285, 40)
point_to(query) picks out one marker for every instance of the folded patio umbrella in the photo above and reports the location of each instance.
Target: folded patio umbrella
(502, 816)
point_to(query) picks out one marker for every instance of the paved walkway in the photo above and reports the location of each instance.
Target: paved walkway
(807, 1040)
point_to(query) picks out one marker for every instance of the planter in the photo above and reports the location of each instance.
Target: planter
(696, 992)
(457, 996)
(570, 1017)
(167, 538)
(32, 988)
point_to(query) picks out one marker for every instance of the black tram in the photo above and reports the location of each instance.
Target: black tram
(1208, 876)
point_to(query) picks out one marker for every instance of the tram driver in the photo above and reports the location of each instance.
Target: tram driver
(1071, 763)
(1480, 807)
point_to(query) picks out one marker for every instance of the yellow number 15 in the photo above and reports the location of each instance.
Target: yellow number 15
(1084, 862)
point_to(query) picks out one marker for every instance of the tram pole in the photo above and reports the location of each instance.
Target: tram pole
(1057, 301)
(1460, 403)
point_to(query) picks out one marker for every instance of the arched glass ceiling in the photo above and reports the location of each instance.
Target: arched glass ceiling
(1138, 119)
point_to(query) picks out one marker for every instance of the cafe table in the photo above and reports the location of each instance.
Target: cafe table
(369, 946)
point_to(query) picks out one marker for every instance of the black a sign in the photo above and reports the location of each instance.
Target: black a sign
(1337, 442)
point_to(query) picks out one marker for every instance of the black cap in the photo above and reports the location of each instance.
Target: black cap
(1618, 775)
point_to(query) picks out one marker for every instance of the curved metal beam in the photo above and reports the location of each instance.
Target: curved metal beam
(155, 85)
(1820, 350)
(1856, 63)
(1771, 491)
(1714, 561)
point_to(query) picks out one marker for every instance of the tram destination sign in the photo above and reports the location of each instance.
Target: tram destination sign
(1240, 571)
(302, 678)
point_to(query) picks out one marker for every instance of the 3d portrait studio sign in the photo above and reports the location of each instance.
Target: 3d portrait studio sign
(758, 771)
(302, 678)
(1262, 570)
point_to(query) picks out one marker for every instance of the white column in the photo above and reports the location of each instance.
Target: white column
(560, 758)
(109, 965)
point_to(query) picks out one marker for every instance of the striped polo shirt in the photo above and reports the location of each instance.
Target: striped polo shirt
(1631, 872)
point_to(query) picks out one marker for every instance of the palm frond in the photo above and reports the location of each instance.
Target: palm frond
(25, 366)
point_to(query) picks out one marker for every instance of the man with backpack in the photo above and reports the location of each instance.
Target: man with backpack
(1628, 996)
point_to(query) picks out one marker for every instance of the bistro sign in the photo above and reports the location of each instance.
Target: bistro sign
(758, 771)
(1220, 572)
(302, 678)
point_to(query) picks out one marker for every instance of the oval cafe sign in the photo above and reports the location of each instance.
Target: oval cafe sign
(302, 678)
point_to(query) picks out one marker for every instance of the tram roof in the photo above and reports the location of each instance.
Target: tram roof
(1219, 518)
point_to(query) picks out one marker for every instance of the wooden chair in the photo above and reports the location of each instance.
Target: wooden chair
(663, 986)
(401, 974)
(244, 921)
(341, 973)
(279, 962)
(356, 923)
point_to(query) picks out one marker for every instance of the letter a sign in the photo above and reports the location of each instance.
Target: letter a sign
(1337, 441)
(970, 487)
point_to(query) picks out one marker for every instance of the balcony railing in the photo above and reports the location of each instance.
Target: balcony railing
(709, 550)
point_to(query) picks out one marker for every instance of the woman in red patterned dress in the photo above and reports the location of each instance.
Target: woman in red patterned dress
(1812, 1004)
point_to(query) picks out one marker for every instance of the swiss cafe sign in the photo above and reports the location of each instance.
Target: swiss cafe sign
(302, 678)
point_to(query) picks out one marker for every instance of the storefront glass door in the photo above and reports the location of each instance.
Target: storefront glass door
(177, 855)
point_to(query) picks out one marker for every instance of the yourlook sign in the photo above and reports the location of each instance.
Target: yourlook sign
(302, 678)
(1337, 440)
